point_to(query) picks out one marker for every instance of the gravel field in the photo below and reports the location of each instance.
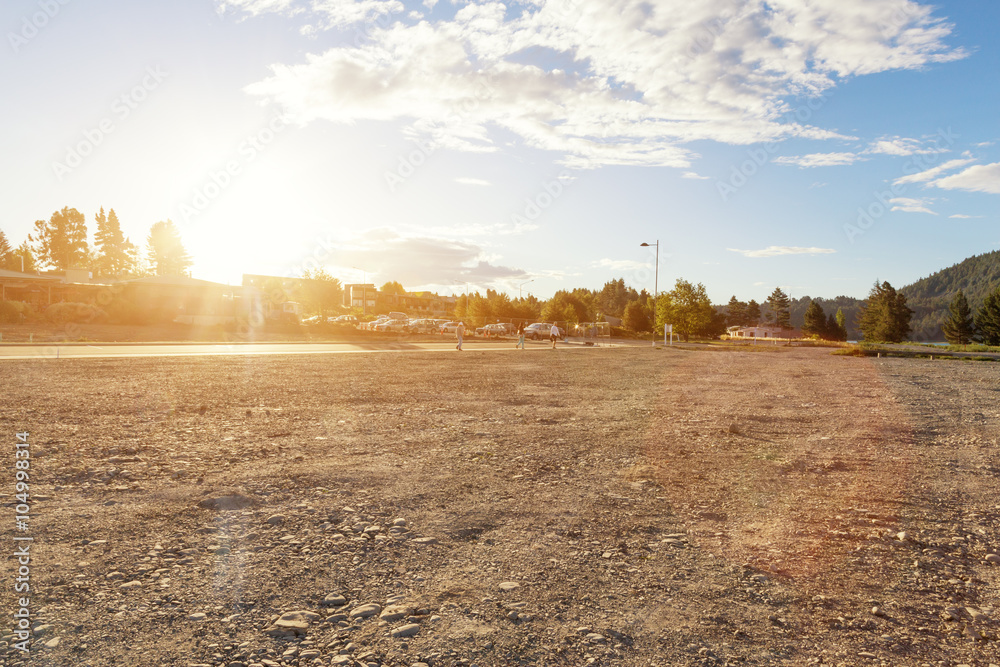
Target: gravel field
(583, 506)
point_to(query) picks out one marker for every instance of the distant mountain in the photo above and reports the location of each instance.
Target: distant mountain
(929, 297)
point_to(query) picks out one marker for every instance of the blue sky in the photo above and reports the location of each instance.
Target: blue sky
(815, 145)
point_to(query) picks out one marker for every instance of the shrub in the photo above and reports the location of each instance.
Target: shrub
(14, 312)
(77, 313)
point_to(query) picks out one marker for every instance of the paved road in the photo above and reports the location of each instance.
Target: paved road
(99, 350)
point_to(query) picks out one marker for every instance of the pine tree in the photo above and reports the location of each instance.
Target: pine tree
(780, 305)
(166, 251)
(753, 314)
(7, 257)
(885, 318)
(736, 313)
(115, 252)
(959, 328)
(988, 318)
(815, 320)
(61, 241)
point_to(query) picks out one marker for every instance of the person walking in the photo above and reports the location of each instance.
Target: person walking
(460, 334)
(520, 336)
(554, 335)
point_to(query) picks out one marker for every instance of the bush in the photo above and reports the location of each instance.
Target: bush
(77, 313)
(15, 312)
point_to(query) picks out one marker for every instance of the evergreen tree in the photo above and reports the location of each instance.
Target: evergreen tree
(61, 241)
(842, 321)
(885, 318)
(959, 328)
(815, 321)
(115, 253)
(753, 314)
(736, 313)
(780, 305)
(636, 317)
(988, 318)
(166, 251)
(614, 297)
(832, 330)
(8, 259)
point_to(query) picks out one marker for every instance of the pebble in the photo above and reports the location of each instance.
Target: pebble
(52, 643)
(407, 630)
(130, 585)
(421, 541)
(508, 585)
(365, 610)
(993, 558)
(277, 519)
(197, 617)
(395, 613)
(334, 600)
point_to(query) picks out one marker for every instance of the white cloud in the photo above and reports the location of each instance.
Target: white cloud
(694, 175)
(628, 85)
(901, 146)
(933, 172)
(471, 181)
(819, 159)
(908, 205)
(419, 260)
(978, 178)
(777, 250)
(962, 216)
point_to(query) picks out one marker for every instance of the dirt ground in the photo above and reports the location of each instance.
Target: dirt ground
(604, 506)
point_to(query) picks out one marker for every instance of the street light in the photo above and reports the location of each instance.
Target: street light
(519, 294)
(656, 280)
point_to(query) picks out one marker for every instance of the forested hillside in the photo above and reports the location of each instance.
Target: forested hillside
(929, 297)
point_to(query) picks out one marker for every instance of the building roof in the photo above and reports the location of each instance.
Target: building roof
(17, 275)
(175, 281)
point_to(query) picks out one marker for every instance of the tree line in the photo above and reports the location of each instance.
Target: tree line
(60, 243)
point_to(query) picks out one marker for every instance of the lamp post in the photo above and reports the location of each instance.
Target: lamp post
(656, 281)
(519, 293)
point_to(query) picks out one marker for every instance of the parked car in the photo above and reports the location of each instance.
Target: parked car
(425, 326)
(344, 320)
(492, 330)
(391, 324)
(540, 330)
(448, 327)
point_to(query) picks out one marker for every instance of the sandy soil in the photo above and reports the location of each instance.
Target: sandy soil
(570, 507)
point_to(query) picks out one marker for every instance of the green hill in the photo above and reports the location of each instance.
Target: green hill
(929, 297)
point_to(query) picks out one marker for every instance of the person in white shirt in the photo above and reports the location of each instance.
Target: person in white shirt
(554, 335)
(459, 334)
